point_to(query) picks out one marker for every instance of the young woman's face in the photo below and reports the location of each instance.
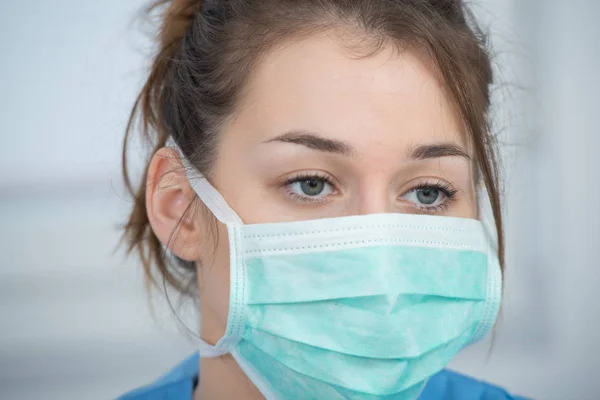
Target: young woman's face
(323, 133)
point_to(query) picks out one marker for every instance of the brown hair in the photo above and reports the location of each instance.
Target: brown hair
(206, 50)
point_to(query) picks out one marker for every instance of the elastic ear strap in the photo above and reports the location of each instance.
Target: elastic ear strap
(207, 193)
(209, 351)
(213, 200)
(486, 216)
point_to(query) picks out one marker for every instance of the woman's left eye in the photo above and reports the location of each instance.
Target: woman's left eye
(430, 197)
(310, 188)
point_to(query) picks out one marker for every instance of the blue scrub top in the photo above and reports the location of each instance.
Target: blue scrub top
(446, 385)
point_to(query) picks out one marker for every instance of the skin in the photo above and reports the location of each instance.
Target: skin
(394, 128)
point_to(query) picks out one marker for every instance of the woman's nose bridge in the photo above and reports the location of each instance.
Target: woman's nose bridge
(374, 199)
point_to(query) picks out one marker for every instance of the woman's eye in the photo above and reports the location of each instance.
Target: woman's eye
(310, 188)
(429, 197)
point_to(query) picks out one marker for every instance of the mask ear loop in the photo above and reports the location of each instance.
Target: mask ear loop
(494, 296)
(486, 216)
(210, 196)
(217, 204)
(213, 199)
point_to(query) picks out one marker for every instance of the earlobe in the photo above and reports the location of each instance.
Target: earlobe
(169, 198)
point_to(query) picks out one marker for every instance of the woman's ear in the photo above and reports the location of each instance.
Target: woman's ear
(169, 198)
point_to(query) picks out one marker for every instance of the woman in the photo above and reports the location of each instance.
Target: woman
(315, 176)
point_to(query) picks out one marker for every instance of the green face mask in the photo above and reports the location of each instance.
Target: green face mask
(360, 307)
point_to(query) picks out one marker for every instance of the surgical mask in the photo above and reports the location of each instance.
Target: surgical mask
(358, 307)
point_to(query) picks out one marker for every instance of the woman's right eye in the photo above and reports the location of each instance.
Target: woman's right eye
(309, 188)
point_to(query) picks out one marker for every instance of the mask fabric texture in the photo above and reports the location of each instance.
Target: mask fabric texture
(360, 307)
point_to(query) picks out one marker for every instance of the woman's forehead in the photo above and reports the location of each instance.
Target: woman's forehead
(389, 98)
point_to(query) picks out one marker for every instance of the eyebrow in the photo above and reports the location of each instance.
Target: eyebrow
(438, 150)
(316, 142)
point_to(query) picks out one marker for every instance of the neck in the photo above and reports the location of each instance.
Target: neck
(222, 378)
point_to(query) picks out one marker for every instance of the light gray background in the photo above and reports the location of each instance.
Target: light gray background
(74, 319)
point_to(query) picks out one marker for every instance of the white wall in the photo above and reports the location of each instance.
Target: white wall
(75, 320)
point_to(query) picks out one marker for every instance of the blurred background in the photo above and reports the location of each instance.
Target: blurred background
(75, 321)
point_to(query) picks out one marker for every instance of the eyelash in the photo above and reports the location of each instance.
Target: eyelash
(304, 177)
(445, 188)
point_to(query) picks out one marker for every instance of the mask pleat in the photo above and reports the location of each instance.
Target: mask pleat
(385, 377)
(367, 272)
(309, 323)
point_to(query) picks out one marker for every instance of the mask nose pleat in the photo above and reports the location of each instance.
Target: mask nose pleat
(365, 272)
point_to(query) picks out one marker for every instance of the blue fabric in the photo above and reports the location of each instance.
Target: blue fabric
(176, 384)
(446, 385)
